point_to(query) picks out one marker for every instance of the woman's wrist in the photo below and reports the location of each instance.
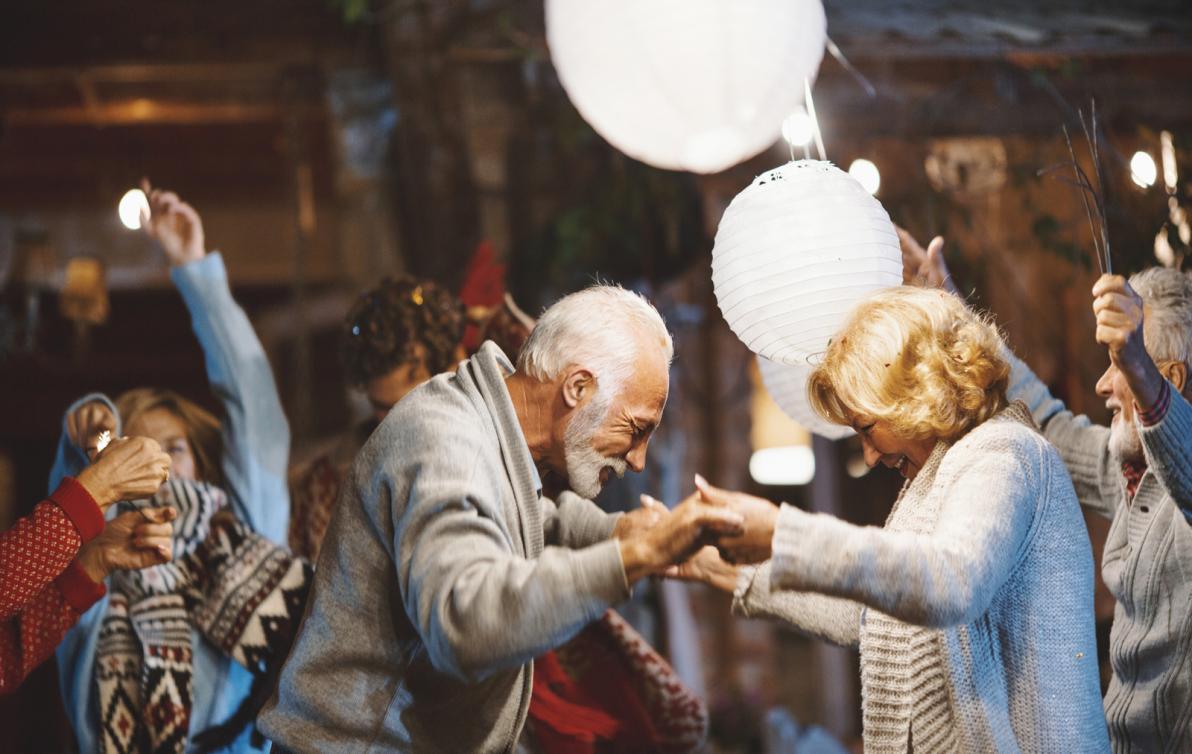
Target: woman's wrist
(91, 560)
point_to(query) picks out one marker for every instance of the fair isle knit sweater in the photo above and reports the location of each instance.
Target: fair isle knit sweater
(1147, 564)
(972, 608)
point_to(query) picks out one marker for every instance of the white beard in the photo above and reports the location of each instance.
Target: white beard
(584, 464)
(1124, 442)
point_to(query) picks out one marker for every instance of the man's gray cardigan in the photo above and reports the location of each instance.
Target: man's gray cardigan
(443, 574)
(1147, 564)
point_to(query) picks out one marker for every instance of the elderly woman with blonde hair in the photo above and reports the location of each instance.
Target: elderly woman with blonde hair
(973, 606)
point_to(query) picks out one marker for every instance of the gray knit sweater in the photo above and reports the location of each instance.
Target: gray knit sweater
(436, 585)
(1147, 564)
(973, 607)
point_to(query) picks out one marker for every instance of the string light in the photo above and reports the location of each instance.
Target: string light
(866, 174)
(1143, 170)
(798, 128)
(132, 204)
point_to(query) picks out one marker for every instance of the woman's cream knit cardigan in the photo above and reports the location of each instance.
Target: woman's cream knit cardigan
(973, 607)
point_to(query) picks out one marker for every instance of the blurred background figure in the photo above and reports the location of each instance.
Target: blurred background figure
(397, 336)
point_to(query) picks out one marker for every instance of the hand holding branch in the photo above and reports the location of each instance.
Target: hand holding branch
(1120, 315)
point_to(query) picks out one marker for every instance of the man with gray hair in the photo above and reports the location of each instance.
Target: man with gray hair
(1138, 473)
(446, 569)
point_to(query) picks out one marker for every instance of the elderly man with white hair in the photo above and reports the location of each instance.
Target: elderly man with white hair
(446, 570)
(1138, 473)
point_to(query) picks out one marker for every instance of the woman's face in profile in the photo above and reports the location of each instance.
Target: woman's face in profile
(170, 433)
(882, 445)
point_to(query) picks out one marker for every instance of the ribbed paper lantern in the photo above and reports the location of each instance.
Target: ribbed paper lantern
(696, 85)
(787, 385)
(795, 251)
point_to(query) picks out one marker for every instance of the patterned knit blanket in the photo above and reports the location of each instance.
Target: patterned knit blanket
(240, 591)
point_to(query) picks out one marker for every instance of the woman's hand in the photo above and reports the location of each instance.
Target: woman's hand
(132, 540)
(754, 543)
(85, 424)
(707, 567)
(924, 267)
(129, 468)
(675, 537)
(175, 225)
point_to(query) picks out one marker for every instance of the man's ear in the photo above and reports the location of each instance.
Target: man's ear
(1175, 372)
(576, 386)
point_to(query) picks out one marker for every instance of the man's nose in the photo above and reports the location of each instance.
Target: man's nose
(1105, 384)
(636, 458)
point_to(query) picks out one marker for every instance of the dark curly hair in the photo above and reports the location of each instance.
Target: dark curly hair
(388, 323)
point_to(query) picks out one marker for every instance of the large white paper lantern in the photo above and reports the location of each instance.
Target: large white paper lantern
(696, 85)
(787, 385)
(795, 252)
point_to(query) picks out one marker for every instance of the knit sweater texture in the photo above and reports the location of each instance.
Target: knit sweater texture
(1147, 564)
(444, 572)
(972, 608)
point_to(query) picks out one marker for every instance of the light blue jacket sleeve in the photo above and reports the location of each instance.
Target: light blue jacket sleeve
(256, 435)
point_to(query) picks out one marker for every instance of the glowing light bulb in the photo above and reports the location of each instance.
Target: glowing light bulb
(866, 174)
(132, 204)
(1143, 170)
(788, 466)
(798, 128)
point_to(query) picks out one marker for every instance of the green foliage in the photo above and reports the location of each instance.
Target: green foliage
(352, 11)
(1057, 240)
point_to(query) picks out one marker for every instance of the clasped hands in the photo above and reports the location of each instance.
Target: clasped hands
(710, 530)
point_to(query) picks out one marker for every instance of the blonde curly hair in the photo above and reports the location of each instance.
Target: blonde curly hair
(916, 359)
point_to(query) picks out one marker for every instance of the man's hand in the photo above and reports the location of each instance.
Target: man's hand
(759, 515)
(924, 267)
(640, 519)
(676, 537)
(134, 539)
(175, 225)
(708, 567)
(130, 468)
(86, 422)
(1120, 314)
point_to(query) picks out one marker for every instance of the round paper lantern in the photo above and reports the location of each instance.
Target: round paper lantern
(696, 85)
(795, 252)
(787, 385)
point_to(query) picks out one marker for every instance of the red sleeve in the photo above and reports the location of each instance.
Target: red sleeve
(30, 637)
(38, 548)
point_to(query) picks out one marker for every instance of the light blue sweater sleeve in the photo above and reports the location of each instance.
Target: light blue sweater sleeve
(256, 435)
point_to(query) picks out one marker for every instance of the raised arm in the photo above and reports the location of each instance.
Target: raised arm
(945, 578)
(1165, 418)
(256, 435)
(1084, 446)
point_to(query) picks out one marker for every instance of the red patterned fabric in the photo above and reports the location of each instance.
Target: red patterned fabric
(42, 591)
(607, 690)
